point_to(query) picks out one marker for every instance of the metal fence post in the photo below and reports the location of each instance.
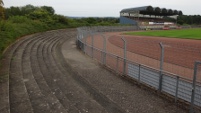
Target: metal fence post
(117, 64)
(105, 50)
(177, 87)
(139, 71)
(82, 41)
(161, 66)
(85, 43)
(77, 38)
(92, 45)
(125, 49)
(193, 86)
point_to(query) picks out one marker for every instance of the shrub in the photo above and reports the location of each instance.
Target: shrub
(19, 19)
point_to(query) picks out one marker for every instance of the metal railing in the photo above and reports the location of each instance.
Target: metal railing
(178, 86)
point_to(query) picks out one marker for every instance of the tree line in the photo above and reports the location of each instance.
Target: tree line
(19, 21)
(189, 19)
(47, 14)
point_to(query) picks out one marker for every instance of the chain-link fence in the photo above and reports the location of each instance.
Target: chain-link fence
(165, 65)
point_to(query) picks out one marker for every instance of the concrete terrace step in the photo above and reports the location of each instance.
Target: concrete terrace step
(25, 93)
(37, 99)
(4, 73)
(56, 104)
(49, 96)
(19, 99)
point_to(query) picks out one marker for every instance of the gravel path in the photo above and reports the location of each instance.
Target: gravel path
(37, 77)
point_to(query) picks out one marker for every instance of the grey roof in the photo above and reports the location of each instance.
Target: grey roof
(145, 10)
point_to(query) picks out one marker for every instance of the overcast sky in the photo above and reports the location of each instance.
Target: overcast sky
(111, 8)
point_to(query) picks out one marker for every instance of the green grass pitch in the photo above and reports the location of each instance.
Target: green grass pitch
(179, 33)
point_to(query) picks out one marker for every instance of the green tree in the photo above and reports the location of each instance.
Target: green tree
(13, 11)
(38, 14)
(49, 9)
(90, 20)
(41, 15)
(61, 19)
(27, 9)
(1, 10)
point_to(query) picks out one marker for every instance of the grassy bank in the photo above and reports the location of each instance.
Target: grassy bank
(19, 26)
(181, 33)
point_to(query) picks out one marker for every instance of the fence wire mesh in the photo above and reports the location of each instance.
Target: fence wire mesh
(141, 59)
